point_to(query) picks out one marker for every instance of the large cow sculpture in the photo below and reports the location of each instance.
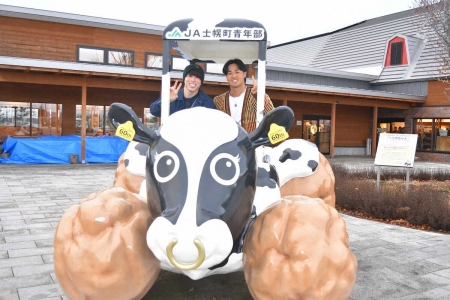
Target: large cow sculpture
(212, 191)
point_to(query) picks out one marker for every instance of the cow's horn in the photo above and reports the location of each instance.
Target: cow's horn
(186, 267)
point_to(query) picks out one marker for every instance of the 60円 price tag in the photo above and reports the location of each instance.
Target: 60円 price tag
(126, 131)
(277, 133)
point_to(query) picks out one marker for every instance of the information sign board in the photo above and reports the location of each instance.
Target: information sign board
(396, 150)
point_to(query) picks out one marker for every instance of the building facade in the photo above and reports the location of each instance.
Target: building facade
(54, 64)
(403, 54)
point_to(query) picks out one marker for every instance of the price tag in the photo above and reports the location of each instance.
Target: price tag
(277, 133)
(126, 131)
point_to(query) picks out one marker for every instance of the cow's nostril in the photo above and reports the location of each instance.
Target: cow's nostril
(182, 266)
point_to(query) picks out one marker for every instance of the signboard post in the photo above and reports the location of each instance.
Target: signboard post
(396, 150)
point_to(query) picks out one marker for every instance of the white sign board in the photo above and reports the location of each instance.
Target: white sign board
(217, 33)
(397, 150)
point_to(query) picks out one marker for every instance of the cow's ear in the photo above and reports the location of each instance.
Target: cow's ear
(120, 114)
(273, 127)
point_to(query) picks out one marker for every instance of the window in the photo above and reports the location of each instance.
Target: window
(97, 121)
(106, 56)
(150, 120)
(396, 52)
(91, 55)
(153, 60)
(433, 134)
(29, 119)
(179, 63)
(214, 68)
(391, 125)
(120, 58)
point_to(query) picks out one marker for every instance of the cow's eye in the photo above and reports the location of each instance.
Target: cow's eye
(225, 169)
(166, 166)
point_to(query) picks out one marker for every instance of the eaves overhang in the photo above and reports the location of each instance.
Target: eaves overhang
(75, 67)
(74, 19)
(416, 79)
(346, 91)
(143, 73)
(320, 72)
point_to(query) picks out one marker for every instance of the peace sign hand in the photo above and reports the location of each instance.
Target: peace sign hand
(174, 91)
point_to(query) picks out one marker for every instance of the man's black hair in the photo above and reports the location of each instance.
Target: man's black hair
(240, 64)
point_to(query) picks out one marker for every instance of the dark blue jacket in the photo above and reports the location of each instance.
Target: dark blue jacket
(179, 104)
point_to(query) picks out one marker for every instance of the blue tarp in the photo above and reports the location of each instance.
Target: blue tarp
(57, 149)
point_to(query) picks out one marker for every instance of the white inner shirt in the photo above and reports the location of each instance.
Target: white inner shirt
(236, 104)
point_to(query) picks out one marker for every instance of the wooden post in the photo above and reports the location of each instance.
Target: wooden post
(83, 120)
(58, 131)
(333, 126)
(378, 178)
(374, 131)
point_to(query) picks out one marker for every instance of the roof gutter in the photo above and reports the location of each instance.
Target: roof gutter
(343, 90)
(320, 72)
(73, 19)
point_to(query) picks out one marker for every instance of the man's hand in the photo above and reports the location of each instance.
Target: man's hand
(174, 91)
(255, 85)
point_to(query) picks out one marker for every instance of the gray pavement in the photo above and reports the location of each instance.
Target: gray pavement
(393, 262)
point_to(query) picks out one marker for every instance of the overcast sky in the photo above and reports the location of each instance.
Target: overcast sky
(284, 20)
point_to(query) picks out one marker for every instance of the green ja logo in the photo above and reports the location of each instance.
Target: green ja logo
(174, 33)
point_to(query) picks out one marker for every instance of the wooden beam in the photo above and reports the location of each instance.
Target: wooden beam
(124, 84)
(333, 128)
(374, 131)
(72, 80)
(21, 77)
(355, 100)
(83, 120)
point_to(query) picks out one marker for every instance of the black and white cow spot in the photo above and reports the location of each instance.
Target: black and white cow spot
(293, 158)
(267, 178)
(313, 164)
(267, 183)
(293, 154)
(135, 158)
(288, 153)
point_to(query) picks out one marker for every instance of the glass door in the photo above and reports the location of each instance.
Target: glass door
(317, 130)
(310, 130)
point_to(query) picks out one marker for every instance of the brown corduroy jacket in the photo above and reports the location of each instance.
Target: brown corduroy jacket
(248, 114)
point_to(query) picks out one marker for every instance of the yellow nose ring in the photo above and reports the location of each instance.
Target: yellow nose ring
(182, 266)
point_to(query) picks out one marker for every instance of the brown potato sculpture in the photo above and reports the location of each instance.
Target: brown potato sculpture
(298, 249)
(100, 249)
(318, 185)
(125, 179)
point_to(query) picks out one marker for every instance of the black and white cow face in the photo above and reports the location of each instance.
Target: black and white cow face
(204, 176)
(205, 181)
(201, 168)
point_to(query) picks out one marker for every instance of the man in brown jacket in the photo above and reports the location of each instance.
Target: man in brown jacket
(240, 102)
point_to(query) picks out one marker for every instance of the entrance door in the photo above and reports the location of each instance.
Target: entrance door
(317, 130)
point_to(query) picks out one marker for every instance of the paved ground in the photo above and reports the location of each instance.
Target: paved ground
(393, 262)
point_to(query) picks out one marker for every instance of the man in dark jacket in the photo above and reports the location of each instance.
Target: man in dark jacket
(189, 96)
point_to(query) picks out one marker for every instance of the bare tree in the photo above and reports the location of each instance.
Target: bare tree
(121, 58)
(437, 16)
